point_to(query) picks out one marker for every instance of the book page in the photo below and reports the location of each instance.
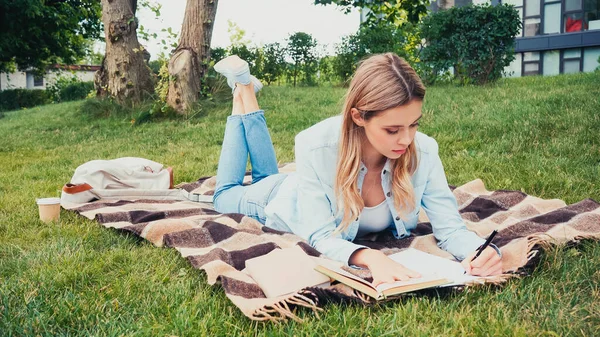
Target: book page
(429, 265)
(423, 279)
(336, 267)
(385, 286)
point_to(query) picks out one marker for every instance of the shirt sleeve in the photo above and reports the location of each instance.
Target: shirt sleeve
(317, 221)
(442, 210)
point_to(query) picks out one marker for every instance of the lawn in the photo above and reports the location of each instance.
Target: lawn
(536, 134)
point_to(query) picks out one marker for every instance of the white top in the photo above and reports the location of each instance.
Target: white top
(374, 219)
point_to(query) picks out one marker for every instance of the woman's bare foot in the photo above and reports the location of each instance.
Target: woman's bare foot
(238, 104)
(248, 97)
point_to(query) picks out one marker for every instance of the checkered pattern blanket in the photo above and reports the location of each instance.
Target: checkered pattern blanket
(220, 244)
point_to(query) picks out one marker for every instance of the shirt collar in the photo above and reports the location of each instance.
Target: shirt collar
(387, 167)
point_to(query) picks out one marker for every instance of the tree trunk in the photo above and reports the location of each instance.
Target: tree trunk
(124, 74)
(189, 63)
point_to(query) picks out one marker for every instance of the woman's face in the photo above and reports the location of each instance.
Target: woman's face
(390, 132)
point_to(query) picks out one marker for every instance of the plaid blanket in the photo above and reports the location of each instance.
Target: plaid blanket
(220, 244)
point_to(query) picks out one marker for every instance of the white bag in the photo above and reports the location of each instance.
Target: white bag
(127, 178)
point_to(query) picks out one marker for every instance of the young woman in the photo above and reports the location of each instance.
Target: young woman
(363, 171)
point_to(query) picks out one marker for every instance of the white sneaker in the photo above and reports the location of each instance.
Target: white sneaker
(257, 84)
(234, 69)
(237, 70)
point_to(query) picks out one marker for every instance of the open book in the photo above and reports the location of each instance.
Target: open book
(435, 271)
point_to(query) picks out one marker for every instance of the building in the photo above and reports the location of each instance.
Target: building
(558, 36)
(28, 79)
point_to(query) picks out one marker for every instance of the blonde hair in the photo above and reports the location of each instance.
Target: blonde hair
(381, 82)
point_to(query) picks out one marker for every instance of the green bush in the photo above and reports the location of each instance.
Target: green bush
(14, 99)
(476, 41)
(76, 91)
(69, 88)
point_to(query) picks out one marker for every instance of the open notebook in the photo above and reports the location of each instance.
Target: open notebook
(435, 271)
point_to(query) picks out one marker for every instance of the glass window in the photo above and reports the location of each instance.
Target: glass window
(592, 14)
(552, 18)
(531, 56)
(515, 3)
(551, 62)
(572, 53)
(532, 27)
(591, 5)
(590, 58)
(38, 81)
(571, 66)
(572, 5)
(573, 22)
(531, 69)
(514, 68)
(532, 7)
(593, 21)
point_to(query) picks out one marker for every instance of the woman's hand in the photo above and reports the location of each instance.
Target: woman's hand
(488, 263)
(383, 269)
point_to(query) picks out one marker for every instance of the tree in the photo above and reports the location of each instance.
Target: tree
(36, 33)
(395, 12)
(189, 63)
(217, 54)
(326, 69)
(124, 74)
(274, 63)
(381, 37)
(237, 35)
(301, 49)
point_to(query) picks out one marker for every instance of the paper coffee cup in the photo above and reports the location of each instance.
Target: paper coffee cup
(49, 209)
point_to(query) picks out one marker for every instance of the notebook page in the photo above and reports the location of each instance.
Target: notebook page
(429, 265)
(424, 278)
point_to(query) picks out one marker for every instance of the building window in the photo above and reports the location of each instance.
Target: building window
(556, 16)
(38, 81)
(581, 15)
(591, 9)
(551, 62)
(590, 59)
(531, 63)
(551, 16)
(532, 18)
(514, 68)
(571, 61)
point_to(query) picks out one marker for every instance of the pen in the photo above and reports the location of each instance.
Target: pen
(485, 244)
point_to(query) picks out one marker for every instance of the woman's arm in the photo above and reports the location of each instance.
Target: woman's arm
(448, 227)
(317, 221)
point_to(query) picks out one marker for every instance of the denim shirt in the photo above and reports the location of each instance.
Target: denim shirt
(306, 205)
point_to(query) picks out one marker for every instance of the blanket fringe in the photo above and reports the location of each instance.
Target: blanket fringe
(545, 242)
(283, 309)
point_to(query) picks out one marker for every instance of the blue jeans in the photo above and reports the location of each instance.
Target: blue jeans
(247, 135)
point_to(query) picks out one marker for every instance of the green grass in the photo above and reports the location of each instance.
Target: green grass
(538, 135)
